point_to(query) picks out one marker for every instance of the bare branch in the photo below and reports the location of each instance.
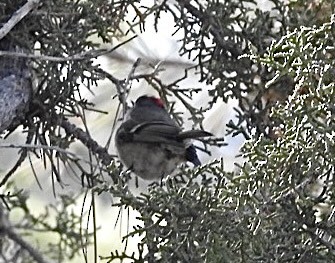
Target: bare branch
(17, 17)
(6, 229)
(76, 57)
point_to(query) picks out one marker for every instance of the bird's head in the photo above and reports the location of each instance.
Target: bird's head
(146, 100)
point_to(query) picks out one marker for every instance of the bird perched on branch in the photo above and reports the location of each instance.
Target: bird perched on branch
(151, 144)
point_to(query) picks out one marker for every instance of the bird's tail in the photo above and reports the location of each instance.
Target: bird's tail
(191, 155)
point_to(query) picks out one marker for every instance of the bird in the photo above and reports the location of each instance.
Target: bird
(151, 144)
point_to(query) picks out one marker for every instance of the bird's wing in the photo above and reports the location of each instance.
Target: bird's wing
(156, 132)
(193, 134)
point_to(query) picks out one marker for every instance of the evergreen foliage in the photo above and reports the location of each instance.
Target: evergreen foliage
(279, 206)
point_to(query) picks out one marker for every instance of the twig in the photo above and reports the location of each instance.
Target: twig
(122, 89)
(17, 17)
(90, 143)
(6, 229)
(76, 57)
(16, 166)
(49, 147)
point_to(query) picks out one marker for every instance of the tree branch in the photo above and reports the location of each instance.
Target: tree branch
(6, 229)
(17, 17)
(76, 57)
